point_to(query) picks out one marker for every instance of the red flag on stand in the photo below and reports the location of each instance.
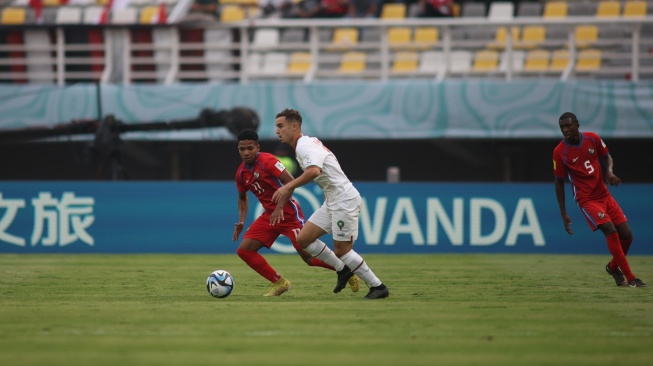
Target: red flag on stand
(37, 5)
(163, 17)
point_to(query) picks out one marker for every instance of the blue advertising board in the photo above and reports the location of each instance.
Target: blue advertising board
(155, 217)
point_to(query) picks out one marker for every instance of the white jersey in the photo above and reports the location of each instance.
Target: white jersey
(333, 181)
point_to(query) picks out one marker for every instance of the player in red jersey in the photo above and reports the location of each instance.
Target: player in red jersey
(577, 158)
(262, 174)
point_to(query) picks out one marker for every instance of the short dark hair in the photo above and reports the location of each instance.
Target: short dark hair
(567, 115)
(248, 134)
(291, 115)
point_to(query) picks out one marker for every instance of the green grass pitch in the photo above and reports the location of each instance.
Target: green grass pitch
(443, 310)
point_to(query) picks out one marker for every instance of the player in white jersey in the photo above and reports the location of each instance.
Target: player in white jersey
(340, 211)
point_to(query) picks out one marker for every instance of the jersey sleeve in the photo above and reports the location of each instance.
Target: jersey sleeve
(312, 153)
(601, 147)
(559, 168)
(272, 164)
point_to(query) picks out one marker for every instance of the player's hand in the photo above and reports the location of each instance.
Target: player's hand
(612, 179)
(237, 230)
(567, 221)
(277, 216)
(281, 193)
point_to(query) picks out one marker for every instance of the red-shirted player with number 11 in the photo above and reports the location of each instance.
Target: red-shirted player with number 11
(577, 158)
(262, 174)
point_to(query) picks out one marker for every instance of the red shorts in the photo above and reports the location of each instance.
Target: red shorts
(602, 211)
(262, 231)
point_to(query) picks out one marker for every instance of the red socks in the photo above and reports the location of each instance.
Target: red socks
(318, 263)
(618, 255)
(259, 264)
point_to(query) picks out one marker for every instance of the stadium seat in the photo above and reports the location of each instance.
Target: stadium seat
(254, 63)
(473, 10)
(232, 13)
(501, 36)
(532, 36)
(393, 11)
(518, 58)
(124, 16)
(589, 60)
(635, 9)
(529, 9)
(265, 38)
(486, 61)
(69, 15)
(405, 62)
(581, 9)
(608, 9)
(425, 37)
(293, 35)
(300, 63)
(501, 11)
(344, 38)
(92, 14)
(275, 63)
(371, 34)
(399, 37)
(461, 62)
(586, 35)
(12, 16)
(559, 60)
(149, 15)
(52, 3)
(352, 62)
(431, 62)
(537, 60)
(555, 9)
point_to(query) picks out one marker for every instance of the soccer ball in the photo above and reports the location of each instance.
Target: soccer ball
(220, 284)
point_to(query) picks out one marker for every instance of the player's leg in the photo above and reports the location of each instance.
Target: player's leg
(344, 226)
(291, 232)
(308, 239)
(623, 230)
(260, 235)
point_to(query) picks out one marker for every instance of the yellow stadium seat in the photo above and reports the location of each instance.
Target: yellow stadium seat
(398, 37)
(635, 9)
(345, 37)
(532, 36)
(555, 9)
(13, 16)
(559, 60)
(352, 62)
(405, 62)
(589, 60)
(52, 2)
(537, 60)
(300, 63)
(426, 37)
(147, 14)
(101, 2)
(586, 35)
(608, 9)
(232, 13)
(393, 11)
(501, 36)
(486, 61)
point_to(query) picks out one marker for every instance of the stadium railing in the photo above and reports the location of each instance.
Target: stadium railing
(289, 49)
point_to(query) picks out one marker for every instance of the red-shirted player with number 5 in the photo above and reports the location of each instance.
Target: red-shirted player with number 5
(262, 174)
(577, 158)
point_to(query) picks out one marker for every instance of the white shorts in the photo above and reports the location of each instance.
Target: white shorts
(339, 219)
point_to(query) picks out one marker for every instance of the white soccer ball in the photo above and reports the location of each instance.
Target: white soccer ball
(220, 283)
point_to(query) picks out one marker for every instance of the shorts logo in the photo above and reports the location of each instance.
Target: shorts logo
(601, 215)
(340, 224)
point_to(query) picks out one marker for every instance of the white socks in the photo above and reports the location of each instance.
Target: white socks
(357, 264)
(320, 251)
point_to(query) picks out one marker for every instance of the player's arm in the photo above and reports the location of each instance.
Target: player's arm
(243, 206)
(609, 175)
(560, 195)
(277, 214)
(286, 191)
